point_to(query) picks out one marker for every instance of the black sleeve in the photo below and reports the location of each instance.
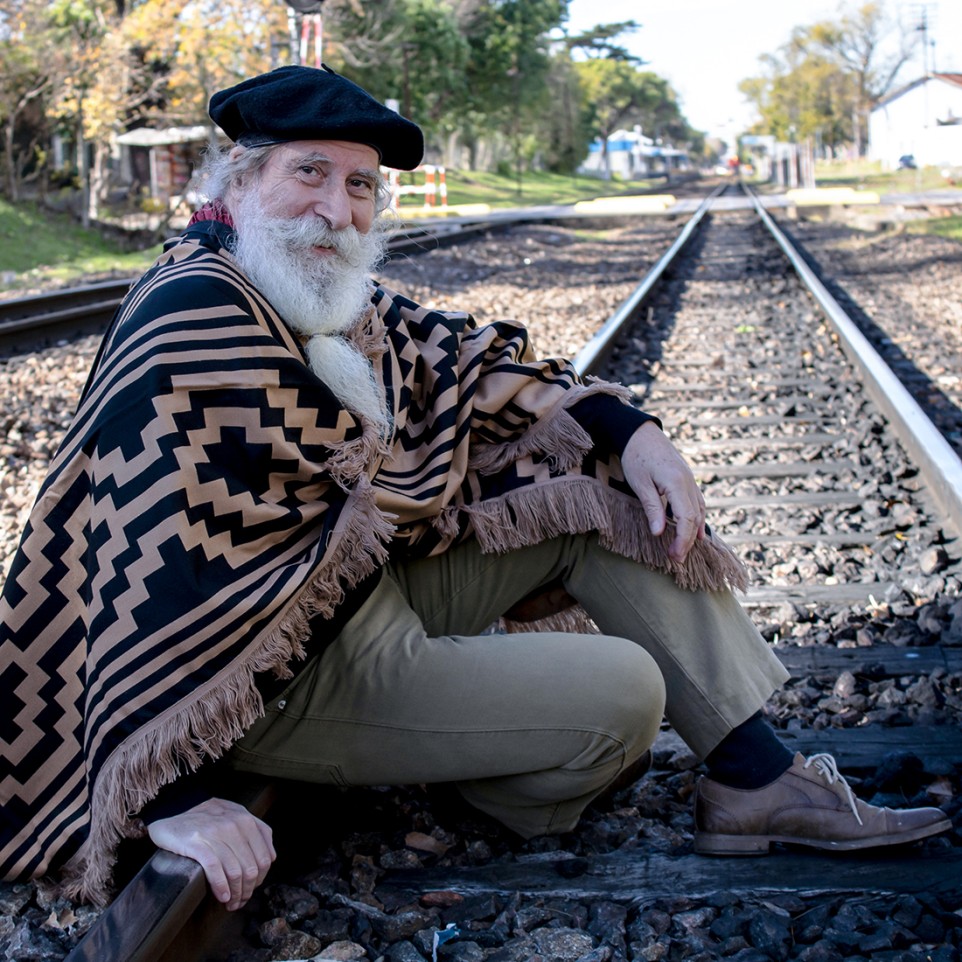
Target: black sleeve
(180, 795)
(609, 421)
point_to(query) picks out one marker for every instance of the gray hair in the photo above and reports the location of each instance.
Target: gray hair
(219, 172)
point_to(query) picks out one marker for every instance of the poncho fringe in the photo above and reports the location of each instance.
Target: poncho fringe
(557, 436)
(268, 481)
(219, 714)
(531, 515)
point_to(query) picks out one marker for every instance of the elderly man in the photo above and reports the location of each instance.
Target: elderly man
(290, 504)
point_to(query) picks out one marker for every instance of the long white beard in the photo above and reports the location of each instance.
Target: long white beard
(319, 297)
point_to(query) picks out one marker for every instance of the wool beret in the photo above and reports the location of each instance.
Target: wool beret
(311, 103)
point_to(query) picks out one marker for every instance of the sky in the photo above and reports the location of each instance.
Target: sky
(704, 48)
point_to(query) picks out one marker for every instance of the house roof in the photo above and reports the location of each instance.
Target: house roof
(147, 137)
(954, 79)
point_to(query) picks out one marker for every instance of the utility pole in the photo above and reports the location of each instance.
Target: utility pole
(302, 17)
(924, 18)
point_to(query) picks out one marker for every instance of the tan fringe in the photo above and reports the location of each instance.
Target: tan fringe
(557, 435)
(219, 714)
(581, 504)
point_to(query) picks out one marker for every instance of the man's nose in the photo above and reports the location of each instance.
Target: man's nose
(335, 207)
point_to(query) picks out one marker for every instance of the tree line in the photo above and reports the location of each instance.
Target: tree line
(495, 82)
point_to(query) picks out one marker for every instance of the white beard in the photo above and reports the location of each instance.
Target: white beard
(321, 297)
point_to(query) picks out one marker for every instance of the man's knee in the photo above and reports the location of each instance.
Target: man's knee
(633, 694)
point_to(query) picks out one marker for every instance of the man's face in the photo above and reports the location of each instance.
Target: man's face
(332, 179)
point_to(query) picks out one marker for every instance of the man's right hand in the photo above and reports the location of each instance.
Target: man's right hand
(233, 847)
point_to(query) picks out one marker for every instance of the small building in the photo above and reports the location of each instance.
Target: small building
(922, 120)
(633, 156)
(161, 162)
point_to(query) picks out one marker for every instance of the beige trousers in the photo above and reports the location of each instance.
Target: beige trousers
(530, 726)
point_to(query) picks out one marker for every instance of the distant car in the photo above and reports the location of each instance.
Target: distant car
(907, 162)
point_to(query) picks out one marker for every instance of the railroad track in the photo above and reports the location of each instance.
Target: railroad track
(30, 322)
(802, 468)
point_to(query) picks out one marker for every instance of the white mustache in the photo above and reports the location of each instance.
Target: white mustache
(304, 233)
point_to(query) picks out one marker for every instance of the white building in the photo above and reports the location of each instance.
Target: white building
(632, 156)
(922, 120)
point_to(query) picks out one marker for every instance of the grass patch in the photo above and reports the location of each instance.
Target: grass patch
(40, 247)
(869, 175)
(537, 188)
(950, 227)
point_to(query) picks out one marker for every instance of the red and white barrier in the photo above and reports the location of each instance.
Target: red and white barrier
(433, 187)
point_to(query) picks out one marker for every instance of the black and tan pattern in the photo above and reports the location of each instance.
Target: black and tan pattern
(212, 496)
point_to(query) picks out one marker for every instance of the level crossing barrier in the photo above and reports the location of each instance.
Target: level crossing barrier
(434, 187)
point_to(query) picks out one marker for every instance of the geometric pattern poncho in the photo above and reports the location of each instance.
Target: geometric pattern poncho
(212, 497)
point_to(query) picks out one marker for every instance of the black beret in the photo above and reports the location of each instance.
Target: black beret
(310, 103)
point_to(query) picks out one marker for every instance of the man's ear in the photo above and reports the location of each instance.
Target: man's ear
(236, 152)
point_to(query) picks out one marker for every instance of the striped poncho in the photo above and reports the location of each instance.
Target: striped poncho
(212, 497)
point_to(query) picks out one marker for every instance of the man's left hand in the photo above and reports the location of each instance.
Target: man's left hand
(658, 474)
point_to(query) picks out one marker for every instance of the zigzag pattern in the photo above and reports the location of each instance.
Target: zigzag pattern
(186, 507)
(210, 498)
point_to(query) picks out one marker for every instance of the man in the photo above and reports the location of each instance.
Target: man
(290, 504)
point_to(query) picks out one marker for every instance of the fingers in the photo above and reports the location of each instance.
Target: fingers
(235, 867)
(234, 848)
(660, 476)
(689, 525)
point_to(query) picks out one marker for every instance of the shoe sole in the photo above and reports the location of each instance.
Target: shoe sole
(707, 843)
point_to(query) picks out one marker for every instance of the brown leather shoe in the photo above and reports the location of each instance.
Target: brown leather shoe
(811, 804)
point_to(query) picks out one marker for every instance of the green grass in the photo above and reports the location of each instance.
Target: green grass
(868, 175)
(537, 188)
(943, 226)
(38, 247)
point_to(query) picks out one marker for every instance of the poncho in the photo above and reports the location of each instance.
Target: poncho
(212, 497)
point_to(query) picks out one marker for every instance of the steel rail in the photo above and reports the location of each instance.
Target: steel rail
(590, 358)
(940, 465)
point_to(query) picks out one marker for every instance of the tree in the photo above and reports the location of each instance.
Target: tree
(81, 27)
(563, 132)
(191, 48)
(859, 45)
(619, 93)
(509, 68)
(599, 41)
(24, 81)
(822, 83)
(423, 66)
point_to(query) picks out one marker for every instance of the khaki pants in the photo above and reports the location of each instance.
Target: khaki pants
(530, 726)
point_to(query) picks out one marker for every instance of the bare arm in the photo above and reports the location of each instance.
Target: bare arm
(658, 474)
(233, 847)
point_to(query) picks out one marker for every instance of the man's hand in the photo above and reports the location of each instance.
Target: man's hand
(233, 847)
(658, 473)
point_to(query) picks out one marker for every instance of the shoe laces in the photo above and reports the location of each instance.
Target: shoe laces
(826, 767)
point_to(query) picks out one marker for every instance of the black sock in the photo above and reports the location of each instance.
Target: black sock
(749, 756)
